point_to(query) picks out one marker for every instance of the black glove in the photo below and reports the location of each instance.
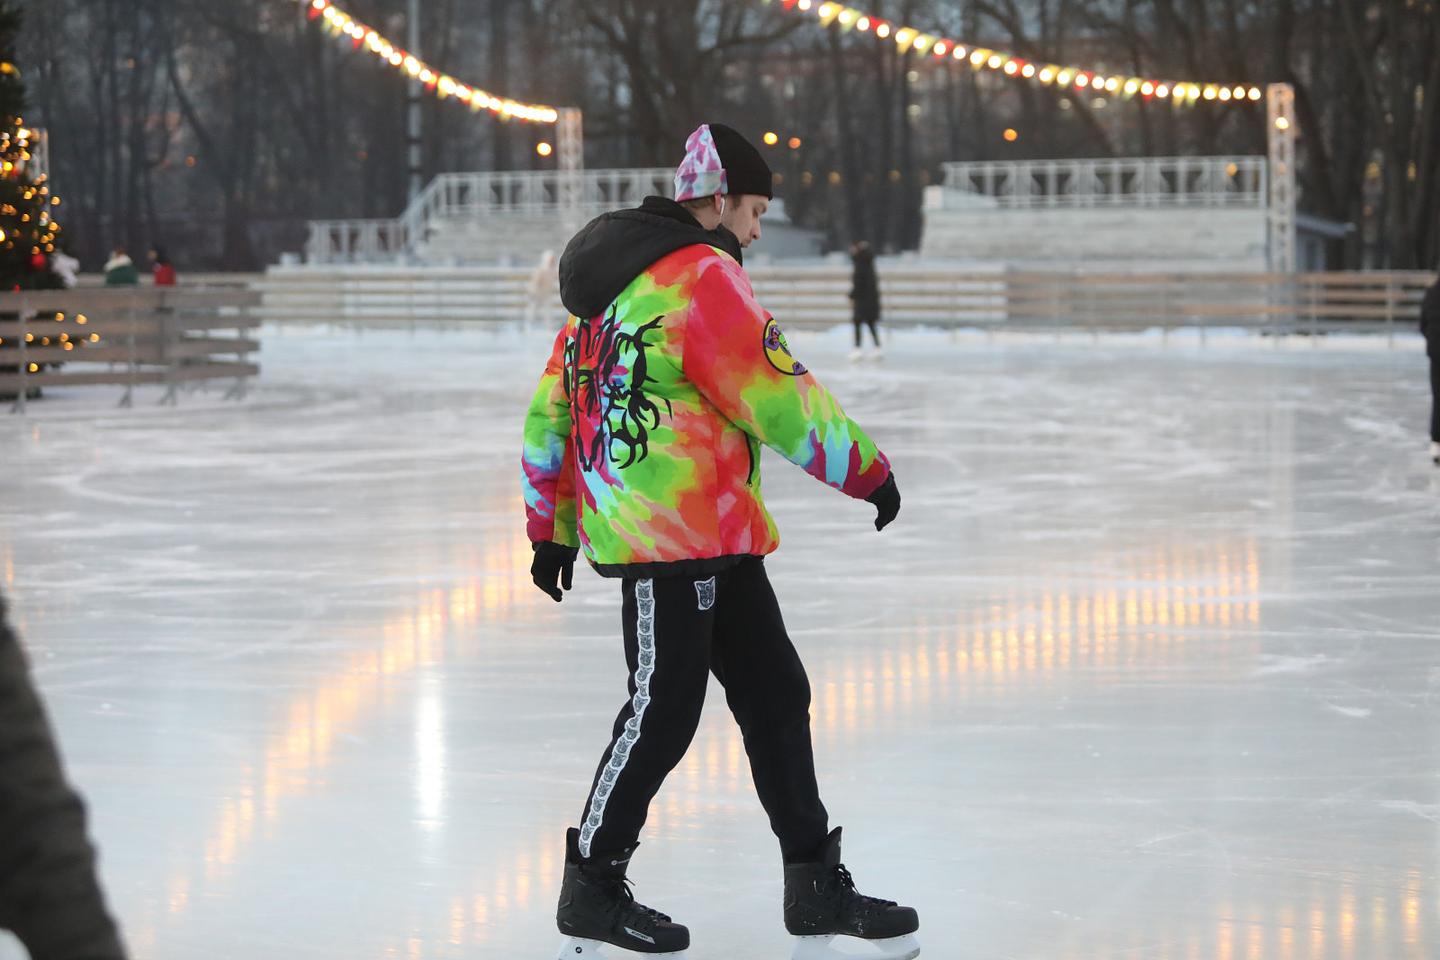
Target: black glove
(887, 501)
(553, 567)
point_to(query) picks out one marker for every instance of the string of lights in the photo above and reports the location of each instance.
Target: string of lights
(905, 38)
(443, 85)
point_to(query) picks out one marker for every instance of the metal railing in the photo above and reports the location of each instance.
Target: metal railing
(356, 241)
(476, 197)
(1132, 182)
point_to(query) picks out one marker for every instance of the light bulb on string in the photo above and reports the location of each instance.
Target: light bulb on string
(908, 38)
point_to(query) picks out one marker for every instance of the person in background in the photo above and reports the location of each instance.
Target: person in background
(120, 270)
(540, 290)
(865, 298)
(50, 897)
(1430, 327)
(66, 267)
(163, 269)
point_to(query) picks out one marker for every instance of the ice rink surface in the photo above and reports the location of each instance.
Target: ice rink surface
(1148, 667)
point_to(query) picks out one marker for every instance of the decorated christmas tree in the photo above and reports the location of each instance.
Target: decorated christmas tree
(28, 230)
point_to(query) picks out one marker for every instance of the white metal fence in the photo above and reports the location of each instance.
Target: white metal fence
(816, 295)
(127, 336)
(1226, 181)
(1138, 182)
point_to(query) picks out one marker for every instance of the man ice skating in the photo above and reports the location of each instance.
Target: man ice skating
(642, 449)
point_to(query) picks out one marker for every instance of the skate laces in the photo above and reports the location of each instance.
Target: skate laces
(846, 885)
(641, 915)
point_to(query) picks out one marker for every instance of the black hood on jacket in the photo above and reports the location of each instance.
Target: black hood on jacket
(610, 251)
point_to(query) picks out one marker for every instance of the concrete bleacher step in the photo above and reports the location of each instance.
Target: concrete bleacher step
(511, 239)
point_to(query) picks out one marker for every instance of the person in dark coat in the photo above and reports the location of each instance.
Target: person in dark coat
(50, 897)
(1430, 326)
(120, 270)
(865, 297)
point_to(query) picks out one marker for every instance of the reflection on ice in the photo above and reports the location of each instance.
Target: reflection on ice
(1147, 677)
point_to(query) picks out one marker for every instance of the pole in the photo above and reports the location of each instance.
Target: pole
(1280, 99)
(413, 121)
(570, 150)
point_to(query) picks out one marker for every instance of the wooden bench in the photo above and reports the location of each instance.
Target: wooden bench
(126, 337)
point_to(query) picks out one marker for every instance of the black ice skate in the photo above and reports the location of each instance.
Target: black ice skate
(597, 907)
(821, 904)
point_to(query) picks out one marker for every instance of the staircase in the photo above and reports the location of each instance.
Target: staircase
(482, 218)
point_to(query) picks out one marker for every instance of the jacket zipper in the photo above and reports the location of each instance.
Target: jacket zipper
(750, 448)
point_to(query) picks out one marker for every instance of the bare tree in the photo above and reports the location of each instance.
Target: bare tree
(223, 125)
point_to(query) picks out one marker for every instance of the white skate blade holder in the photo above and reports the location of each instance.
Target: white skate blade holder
(835, 947)
(578, 948)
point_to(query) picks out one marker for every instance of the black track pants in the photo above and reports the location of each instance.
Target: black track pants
(860, 326)
(678, 630)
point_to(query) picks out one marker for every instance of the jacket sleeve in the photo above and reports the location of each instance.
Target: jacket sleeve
(50, 896)
(547, 464)
(737, 357)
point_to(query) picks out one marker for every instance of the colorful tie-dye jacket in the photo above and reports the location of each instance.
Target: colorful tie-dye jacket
(641, 442)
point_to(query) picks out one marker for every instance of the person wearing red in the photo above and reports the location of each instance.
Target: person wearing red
(163, 269)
